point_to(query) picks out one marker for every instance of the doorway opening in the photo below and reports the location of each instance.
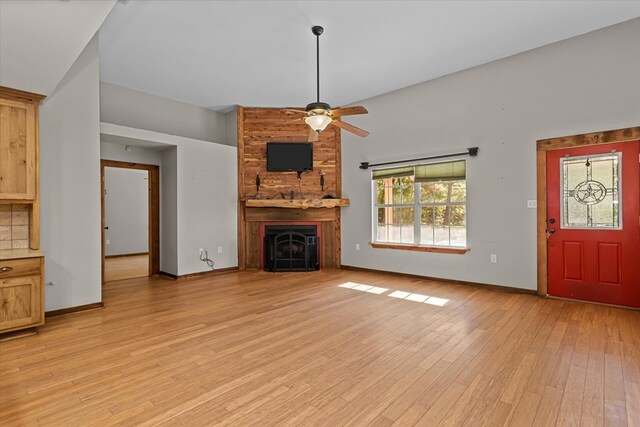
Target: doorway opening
(130, 220)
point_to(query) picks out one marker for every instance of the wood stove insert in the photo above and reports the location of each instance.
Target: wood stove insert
(290, 248)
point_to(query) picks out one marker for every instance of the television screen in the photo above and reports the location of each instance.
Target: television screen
(289, 156)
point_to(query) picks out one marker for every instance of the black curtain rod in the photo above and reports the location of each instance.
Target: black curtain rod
(473, 151)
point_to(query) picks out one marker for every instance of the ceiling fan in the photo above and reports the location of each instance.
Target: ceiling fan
(319, 115)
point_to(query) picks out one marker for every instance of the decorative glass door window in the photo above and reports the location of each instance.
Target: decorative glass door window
(590, 191)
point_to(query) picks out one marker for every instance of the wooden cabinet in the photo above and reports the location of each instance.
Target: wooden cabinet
(19, 167)
(21, 293)
(21, 263)
(18, 148)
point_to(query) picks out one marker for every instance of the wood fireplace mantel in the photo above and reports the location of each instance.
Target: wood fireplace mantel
(297, 203)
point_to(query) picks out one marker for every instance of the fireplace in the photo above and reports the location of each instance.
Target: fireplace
(291, 247)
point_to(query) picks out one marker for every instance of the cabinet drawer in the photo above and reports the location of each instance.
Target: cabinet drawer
(20, 267)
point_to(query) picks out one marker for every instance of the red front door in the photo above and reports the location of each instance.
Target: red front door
(593, 223)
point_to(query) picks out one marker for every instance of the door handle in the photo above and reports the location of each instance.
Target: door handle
(550, 231)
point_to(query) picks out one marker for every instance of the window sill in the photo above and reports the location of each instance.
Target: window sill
(438, 249)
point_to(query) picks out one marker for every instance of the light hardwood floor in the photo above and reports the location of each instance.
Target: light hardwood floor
(126, 267)
(254, 348)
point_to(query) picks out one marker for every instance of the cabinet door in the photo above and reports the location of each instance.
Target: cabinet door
(20, 302)
(17, 150)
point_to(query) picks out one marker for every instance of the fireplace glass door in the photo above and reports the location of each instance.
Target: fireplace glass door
(289, 249)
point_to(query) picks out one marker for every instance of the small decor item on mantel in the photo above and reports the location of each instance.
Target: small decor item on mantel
(319, 115)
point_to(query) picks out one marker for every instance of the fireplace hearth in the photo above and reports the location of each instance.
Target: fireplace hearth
(290, 248)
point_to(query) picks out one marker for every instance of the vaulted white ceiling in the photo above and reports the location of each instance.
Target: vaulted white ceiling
(41, 39)
(262, 53)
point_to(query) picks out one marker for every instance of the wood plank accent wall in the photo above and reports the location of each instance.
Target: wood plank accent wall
(256, 127)
(259, 126)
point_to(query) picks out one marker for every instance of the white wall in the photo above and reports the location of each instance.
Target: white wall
(117, 152)
(198, 192)
(585, 84)
(199, 199)
(169, 212)
(128, 107)
(207, 205)
(231, 118)
(126, 211)
(163, 155)
(70, 185)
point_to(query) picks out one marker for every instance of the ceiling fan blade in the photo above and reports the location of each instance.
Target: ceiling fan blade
(348, 111)
(290, 110)
(301, 120)
(350, 128)
(313, 135)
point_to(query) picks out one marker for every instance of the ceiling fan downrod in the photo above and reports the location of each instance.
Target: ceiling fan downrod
(317, 30)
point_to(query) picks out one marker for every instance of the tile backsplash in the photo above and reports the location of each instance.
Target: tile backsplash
(14, 226)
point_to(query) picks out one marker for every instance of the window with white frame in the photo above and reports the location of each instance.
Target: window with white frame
(421, 204)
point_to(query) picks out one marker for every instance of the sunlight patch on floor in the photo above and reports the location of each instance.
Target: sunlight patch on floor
(417, 297)
(364, 288)
(436, 301)
(409, 296)
(399, 294)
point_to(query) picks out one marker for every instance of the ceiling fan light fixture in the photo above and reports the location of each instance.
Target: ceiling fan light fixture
(318, 122)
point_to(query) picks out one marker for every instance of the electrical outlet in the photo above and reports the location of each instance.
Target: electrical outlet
(357, 246)
(219, 249)
(494, 259)
(532, 204)
(108, 242)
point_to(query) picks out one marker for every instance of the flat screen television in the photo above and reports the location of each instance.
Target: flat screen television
(289, 156)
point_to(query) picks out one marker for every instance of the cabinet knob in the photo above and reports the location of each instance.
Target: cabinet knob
(5, 269)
